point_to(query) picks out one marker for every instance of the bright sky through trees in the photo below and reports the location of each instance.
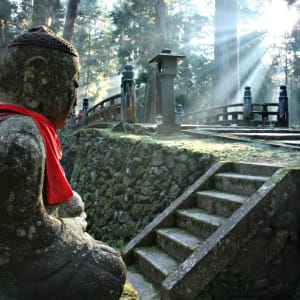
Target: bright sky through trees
(276, 17)
(277, 20)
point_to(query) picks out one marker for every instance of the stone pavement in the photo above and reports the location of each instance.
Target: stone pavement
(145, 289)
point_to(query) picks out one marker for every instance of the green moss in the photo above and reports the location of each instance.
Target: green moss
(129, 293)
(223, 150)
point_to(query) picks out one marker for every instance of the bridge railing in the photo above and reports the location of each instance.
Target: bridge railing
(264, 112)
(233, 113)
(245, 113)
(107, 110)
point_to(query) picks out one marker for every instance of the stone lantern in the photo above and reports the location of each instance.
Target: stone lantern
(166, 71)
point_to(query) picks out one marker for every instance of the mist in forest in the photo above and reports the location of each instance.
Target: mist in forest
(228, 44)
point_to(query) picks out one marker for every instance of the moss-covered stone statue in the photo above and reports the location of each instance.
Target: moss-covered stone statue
(44, 255)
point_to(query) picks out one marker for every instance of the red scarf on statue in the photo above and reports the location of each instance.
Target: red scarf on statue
(56, 186)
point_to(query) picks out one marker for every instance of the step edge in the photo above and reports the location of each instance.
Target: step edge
(220, 220)
(242, 176)
(157, 266)
(179, 242)
(238, 198)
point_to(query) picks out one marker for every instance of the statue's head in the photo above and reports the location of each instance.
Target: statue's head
(41, 72)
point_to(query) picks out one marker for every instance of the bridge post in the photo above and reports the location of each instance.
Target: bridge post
(85, 107)
(166, 71)
(128, 102)
(179, 112)
(224, 116)
(265, 115)
(283, 111)
(247, 109)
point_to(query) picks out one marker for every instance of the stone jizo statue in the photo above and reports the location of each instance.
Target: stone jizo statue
(45, 252)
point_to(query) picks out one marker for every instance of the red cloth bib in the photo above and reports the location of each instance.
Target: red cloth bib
(56, 186)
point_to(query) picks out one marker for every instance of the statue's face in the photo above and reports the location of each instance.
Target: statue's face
(41, 79)
(63, 92)
(53, 80)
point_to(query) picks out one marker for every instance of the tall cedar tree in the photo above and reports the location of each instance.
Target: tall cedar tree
(45, 12)
(226, 86)
(71, 17)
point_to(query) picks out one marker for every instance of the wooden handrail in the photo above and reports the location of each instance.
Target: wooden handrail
(265, 104)
(213, 108)
(103, 102)
(96, 111)
(222, 114)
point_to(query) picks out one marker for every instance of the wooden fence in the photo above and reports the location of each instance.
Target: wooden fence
(261, 113)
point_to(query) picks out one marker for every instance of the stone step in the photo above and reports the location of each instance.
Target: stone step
(177, 242)
(154, 263)
(198, 222)
(253, 169)
(219, 203)
(239, 183)
(145, 289)
(270, 135)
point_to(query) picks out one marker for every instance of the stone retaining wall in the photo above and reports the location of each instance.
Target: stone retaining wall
(125, 182)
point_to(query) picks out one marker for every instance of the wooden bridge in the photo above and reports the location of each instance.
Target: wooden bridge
(243, 113)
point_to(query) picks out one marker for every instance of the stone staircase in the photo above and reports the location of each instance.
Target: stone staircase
(165, 256)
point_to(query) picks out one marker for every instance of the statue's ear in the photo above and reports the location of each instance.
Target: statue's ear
(35, 80)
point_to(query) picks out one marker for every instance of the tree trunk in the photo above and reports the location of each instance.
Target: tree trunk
(5, 11)
(3, 37)
(40, 15)
(150, 109)
(227, 82)
(71, 17)
(294, 79)
(152, 100)
(44, 12)
(160, 22)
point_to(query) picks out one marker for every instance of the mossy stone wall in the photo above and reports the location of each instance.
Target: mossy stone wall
(125, 182)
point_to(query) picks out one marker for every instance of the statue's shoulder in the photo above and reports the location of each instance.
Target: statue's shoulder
(20, 132)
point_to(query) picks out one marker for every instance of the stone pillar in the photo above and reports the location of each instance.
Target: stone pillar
(166, 71)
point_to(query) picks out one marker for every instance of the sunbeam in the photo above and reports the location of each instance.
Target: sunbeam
(280, 18)
(268, 49)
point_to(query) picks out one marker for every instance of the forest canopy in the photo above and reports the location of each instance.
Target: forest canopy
(227, 44)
